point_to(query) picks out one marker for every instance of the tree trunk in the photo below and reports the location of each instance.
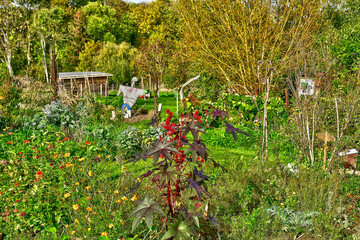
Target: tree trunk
(44, 62)
(8, 63)
(155, 96)
(54, 71)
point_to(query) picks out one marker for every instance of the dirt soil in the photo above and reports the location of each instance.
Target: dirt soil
(139, 117)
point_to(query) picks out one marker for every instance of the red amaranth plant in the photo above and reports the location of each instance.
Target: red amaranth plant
(178, 161)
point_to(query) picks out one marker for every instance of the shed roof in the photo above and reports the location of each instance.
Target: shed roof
(74, 75)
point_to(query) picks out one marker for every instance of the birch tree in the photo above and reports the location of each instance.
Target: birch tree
(11, 27)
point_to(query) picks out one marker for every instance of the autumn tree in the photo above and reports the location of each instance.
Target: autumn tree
(231, 37)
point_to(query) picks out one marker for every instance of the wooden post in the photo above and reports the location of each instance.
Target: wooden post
(150, 86)
(81, 90)
(142, 83)
(106, 90)
(287, 98)
(325, 149)
(100, 89)
(71, 86)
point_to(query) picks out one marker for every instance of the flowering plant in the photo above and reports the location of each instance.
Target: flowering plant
(178, 176)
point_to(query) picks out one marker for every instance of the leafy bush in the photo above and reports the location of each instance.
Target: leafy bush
(133, 140)
(292, 219)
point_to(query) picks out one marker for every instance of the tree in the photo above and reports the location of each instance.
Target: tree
(152, 60)
(230, 36)
(50, 25)
(116, 59)
(155, 20)
(11, 28)
(103, 24)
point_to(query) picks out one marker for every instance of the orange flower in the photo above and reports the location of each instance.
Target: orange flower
(88, 143)
(27, 141)
(88, 198)
(69, 165)
(89, 209)
(39, 175)
(10, 143)
(88, 187)
(135, 197)
(104, 234)
(66, 139)
(11, 133)
(118, 201)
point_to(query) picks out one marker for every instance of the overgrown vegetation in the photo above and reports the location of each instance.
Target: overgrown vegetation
(246, 157)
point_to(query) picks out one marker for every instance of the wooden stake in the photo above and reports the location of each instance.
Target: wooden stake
(325, 148)
(287, 98)
(100, 89)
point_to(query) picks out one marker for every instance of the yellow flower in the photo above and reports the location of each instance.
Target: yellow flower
(118, 201)
(111, 225)
(89, 229)
(123, 168)
(4, 129)
(134, 198)
(77, 221)
(66, 226)
(66, 195)
(104, 234)
(77, 183)
(90, 173)
(73, 232)
(108, 156)
(122, 222)
(124, 198)
(76, 207)
(81, 159)
(116, 192)
(139, 179)
(67, 155)
(55, 156)
(89, 209)
(88, 187)
(88, 198)
(282, 204)
(294, 193)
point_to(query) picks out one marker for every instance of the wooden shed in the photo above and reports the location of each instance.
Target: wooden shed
(81, 82)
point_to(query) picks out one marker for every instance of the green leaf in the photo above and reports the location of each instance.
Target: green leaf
(146, 209)
(51, 230)
(166, 171)
(179, 230)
